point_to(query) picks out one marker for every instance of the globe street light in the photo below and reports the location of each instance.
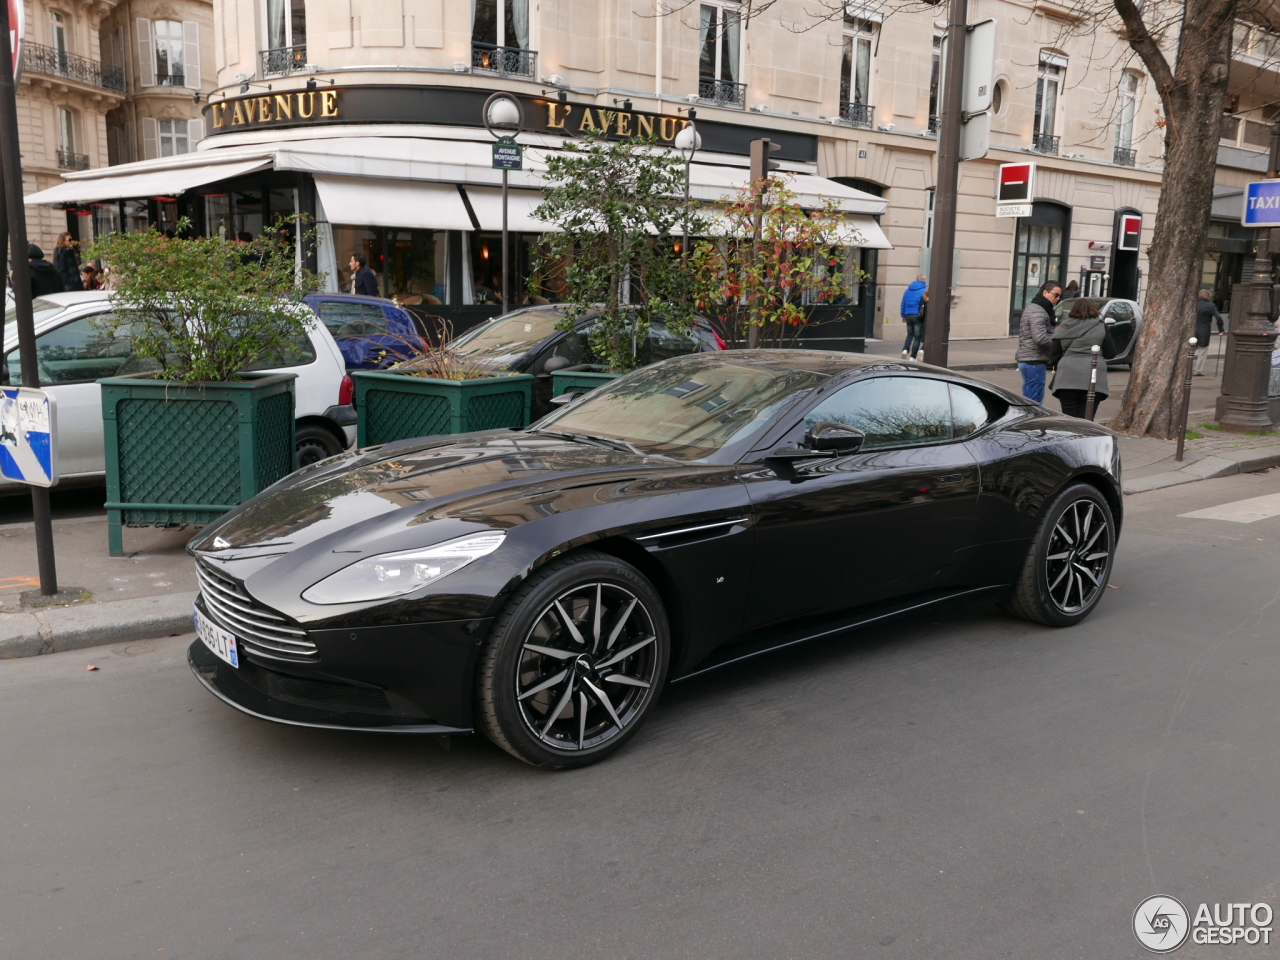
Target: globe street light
(504, 118)
(687, 142)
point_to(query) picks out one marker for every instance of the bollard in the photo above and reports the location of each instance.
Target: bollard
(1186, 399)
(1092, 398)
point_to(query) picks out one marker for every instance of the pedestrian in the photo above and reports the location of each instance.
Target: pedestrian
(89, 274)
(1206, 313)
(1035, 340)
(1073, 344)
(1071, 291)
(244, 240)
(44, 277)
(67, 261)
(912, 311)
(364, 281)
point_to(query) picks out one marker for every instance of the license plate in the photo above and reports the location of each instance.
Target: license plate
(218, 640)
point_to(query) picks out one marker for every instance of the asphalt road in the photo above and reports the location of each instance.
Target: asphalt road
(960, 785)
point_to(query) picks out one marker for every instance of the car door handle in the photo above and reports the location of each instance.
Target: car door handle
(951, 478)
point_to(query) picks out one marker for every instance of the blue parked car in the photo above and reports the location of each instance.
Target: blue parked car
(372, 333)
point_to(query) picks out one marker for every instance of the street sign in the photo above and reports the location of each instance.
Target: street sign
(17, 26)
(28, 436)
(1261, 204)
(1130, 232)
(1015, 188)
(507, 154)
(979, 69)
(975, 136)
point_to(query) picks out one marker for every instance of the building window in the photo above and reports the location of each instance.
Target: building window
(935, 83)
(855, 71)
(58, 36)
(500, 37)
(1125, 155)
(169, 58)
(66, 130)
(718, 44)
(286, 36)
(1048, 89)
(173, 137)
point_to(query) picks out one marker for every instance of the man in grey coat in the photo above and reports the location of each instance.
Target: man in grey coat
(1206, 313)
(1035, 340)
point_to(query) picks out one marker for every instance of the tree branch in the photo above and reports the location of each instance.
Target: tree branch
(1139, 37)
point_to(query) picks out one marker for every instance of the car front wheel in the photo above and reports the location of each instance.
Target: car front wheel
(574, 662)
(1069, 563)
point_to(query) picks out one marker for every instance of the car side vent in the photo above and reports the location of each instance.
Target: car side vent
(693, 532)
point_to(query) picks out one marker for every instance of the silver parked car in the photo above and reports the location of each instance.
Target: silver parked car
(1124, 317)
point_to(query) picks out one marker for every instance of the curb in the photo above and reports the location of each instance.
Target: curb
(55, 629)
(1223, 464)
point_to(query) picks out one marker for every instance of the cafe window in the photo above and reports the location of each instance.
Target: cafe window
(410, 265)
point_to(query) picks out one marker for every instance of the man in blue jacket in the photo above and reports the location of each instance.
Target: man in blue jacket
(913, 316)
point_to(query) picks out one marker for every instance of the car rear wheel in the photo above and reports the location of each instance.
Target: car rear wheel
(1069, 562)
(574, 662)
(313, 444)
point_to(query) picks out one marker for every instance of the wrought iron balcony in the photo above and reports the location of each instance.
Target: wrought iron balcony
(857, 114)
(282, 61)
(172, 80)
(37, 58)
(935, 124)
(72, 161)
(724, 93)
(506, 61)
(1124, 157)
(1045, 143)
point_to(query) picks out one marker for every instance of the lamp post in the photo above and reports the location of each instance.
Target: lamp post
(688, 141)
(504, 119)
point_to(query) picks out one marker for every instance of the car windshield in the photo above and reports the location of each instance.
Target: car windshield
(1062, 309)
(686, 409)
(505, 338)
(41, 310)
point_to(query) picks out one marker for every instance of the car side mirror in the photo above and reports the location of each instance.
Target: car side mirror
(1109, 321)
(829, 437)
(554, 363)
(564, 398)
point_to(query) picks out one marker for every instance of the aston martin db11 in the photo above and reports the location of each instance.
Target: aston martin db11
(542, 585)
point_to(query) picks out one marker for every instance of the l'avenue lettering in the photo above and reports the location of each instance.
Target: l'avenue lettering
(572, 118)
(274, 108)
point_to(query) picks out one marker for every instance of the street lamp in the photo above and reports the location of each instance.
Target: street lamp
(687, 142)
(504, 119)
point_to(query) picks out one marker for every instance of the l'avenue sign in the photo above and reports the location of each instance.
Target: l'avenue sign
(460, 107)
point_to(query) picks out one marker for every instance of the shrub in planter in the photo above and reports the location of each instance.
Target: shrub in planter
(196, 434)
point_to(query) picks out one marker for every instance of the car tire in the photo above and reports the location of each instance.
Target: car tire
(1070, 560)
(314, 443)
(548, 691)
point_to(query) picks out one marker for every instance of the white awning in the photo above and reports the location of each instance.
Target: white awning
(152, 183)
(487, 204)
(368, 201)
(864, 232)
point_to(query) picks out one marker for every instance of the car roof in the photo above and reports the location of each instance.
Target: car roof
(350, 298)
(74, 298)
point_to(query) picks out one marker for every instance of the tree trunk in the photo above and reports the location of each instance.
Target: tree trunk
(1152, 402)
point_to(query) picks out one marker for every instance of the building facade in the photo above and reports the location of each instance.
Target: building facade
(369, 118)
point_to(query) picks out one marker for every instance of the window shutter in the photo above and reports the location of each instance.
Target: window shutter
(146, 54)
(191, 53)
(127, 153)
(195, 133)
(150, 138)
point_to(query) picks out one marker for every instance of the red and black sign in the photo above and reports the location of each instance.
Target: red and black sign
(1016, 181)
(1130, 232)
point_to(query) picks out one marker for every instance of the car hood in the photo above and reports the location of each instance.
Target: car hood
(381, 496)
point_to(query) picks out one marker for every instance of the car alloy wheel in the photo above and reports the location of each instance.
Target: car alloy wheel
(573, 662)
(587, 666)
(1078, 557)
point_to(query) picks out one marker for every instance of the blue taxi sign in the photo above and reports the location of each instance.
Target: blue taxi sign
(1261, 204)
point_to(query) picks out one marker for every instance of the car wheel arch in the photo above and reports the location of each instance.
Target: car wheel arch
(1100, 482)
(324, 423)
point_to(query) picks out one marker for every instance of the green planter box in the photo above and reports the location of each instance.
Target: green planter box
(181, 454)
(579, 381)
(392, 406)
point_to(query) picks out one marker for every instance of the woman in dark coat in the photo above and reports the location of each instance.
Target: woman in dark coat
(1073, 343)
(67, 262)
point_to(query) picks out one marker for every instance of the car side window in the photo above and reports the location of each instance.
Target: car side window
(1120, 310)
(971, 410)
(890, 411)
(665, 344)
(77, 352)
(337, 314)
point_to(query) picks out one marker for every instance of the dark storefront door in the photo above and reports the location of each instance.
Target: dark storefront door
(1039, 254)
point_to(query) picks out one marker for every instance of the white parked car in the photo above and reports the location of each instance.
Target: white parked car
(73, 355)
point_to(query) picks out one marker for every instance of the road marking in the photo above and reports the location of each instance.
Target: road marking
(1242, 511)
(10, 583)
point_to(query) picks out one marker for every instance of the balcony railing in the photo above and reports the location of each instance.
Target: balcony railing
(282, 61)
(724, 93)
(1045, 143)
(935, 124)
(507, 61)
(37, 58)
(172, 80)
(72, 161)
(1124, 157)
(857, 114)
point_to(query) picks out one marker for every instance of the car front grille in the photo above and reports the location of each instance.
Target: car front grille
(263, 632)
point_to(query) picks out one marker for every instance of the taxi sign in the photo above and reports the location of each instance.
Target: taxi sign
(1261, 204)
(28, 436)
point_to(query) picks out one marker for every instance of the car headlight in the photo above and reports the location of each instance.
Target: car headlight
(394, 574)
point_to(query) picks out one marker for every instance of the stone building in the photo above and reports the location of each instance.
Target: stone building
(368, 117)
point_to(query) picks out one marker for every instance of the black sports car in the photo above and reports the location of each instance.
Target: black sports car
(542, 585)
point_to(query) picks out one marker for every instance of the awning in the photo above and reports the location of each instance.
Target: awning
(864, 232)
(152, 183)
(487, 203)
(368, 201)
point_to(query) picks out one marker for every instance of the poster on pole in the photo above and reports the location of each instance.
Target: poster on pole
(1015, 189)
(17, 27)
(28, 436)
(979, 68)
